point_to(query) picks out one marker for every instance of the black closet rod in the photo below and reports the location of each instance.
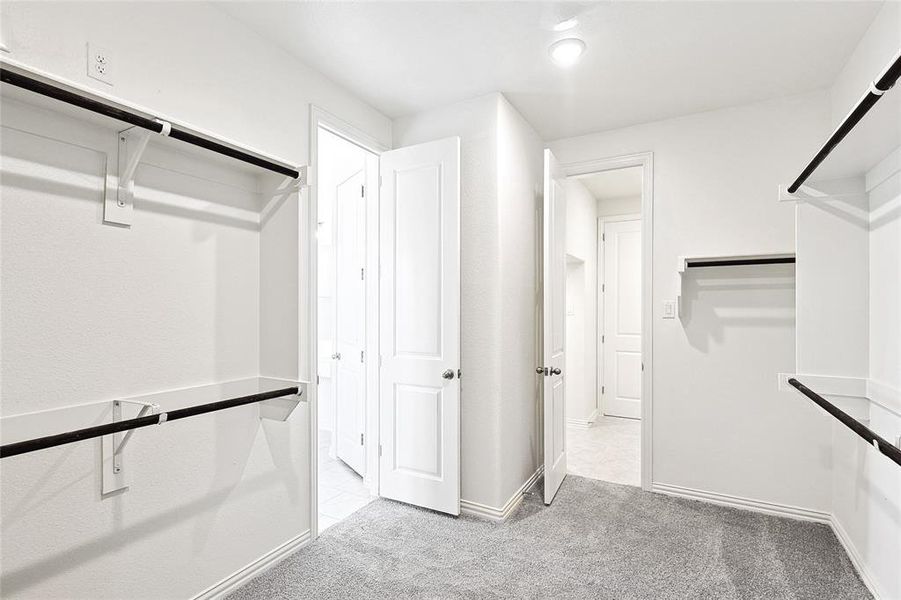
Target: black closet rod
(853, 424)
(885, 81)
(63, 95)
(173, 415)
(732, 262)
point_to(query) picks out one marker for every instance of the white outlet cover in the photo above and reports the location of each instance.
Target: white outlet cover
(669, 310)
(100, 64)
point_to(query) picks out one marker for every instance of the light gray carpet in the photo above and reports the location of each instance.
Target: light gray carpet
(597, 540)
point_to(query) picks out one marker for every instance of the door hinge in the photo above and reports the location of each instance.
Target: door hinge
(603, 288)
(362, 191)
(361, 439)
(602, 339)
(380, 181)
(361, 273)
(602, 390)
(380, 449)
(317, 380)
(361, 355)
(603, 237)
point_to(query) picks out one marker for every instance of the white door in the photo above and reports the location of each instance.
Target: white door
(554, 326)
(622, 319)
(419, 291)
(350, 309)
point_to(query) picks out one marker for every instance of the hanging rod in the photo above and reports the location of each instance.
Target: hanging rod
(155, 125)
(732, 262)
(850, 422)
(129, 424)
(883, 83)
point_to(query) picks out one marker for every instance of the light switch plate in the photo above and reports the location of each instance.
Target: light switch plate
(669, 310)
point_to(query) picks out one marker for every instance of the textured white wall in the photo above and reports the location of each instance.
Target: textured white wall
(581, 242)
(520, 189)
(719, 422)
(185, 297)
(619, 206)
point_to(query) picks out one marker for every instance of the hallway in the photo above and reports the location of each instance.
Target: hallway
(609, 451)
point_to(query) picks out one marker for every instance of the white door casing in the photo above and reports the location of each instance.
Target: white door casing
(554, 326)
(419, 405)
(622, 319)
(350, 322)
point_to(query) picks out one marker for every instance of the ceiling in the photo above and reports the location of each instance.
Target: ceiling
(644, 61)
(619, 183)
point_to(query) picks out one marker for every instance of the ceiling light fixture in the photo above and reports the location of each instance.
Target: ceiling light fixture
(566, 52)
(566, 24)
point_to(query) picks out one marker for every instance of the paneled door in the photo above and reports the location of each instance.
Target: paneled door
(419, 329)
(350, 310)
(622, 319)
(554, 326)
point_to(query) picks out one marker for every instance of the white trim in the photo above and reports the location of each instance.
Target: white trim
(761, 506)
(468, 507)
(863, 570)
(257, 567)
(645, 160)
(320, 117)
(586, 423)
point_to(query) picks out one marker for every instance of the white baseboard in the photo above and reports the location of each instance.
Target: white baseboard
(770, 508)
(584, 423)
(866, 575)
(468, 507)
(264, 563)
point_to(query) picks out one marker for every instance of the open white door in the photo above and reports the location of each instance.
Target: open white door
(622, 319)
(554, 327)
(419, 404)
(350, 310)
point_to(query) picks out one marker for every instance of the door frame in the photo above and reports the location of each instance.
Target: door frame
(326, 120)
(602, 305)
(645, 160)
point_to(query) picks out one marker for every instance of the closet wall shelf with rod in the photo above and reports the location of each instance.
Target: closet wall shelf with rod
(276, 401)
(871, 437)
(874, 93)
(738, 260)
(132, 141)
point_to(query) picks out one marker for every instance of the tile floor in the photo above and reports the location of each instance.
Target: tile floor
(609, 451)
(341, 490)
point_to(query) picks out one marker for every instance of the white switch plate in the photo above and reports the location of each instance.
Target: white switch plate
(100, 64)
(669, 310)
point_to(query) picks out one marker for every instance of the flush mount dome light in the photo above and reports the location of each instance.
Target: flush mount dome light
(566, 52)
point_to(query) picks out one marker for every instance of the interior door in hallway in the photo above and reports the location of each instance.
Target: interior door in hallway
(622, 319)
(419, 401)
(350, 307)
(554, 326)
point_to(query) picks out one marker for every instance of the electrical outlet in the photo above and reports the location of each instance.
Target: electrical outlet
(100, 64)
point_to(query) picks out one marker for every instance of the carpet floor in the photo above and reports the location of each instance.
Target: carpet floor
(597, 540)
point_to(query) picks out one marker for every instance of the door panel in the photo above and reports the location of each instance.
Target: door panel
(350, 310)
(554, 326)
(420, 325)
(622, 319)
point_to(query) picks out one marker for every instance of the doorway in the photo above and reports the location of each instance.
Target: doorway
(606, 285)
(346, 173)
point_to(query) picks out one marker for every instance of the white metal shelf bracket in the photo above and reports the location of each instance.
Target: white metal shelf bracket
(132, 142)
(113, 446)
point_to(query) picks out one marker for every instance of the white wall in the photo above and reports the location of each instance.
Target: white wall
(501, 179)
(629, 205)
(720, 425)
(582, 353)
(183, 298)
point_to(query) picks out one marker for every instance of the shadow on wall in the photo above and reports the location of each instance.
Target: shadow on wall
(716, 298)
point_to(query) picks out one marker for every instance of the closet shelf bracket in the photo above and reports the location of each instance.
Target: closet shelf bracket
(131, 143)
(808, 193)
(113, 446)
